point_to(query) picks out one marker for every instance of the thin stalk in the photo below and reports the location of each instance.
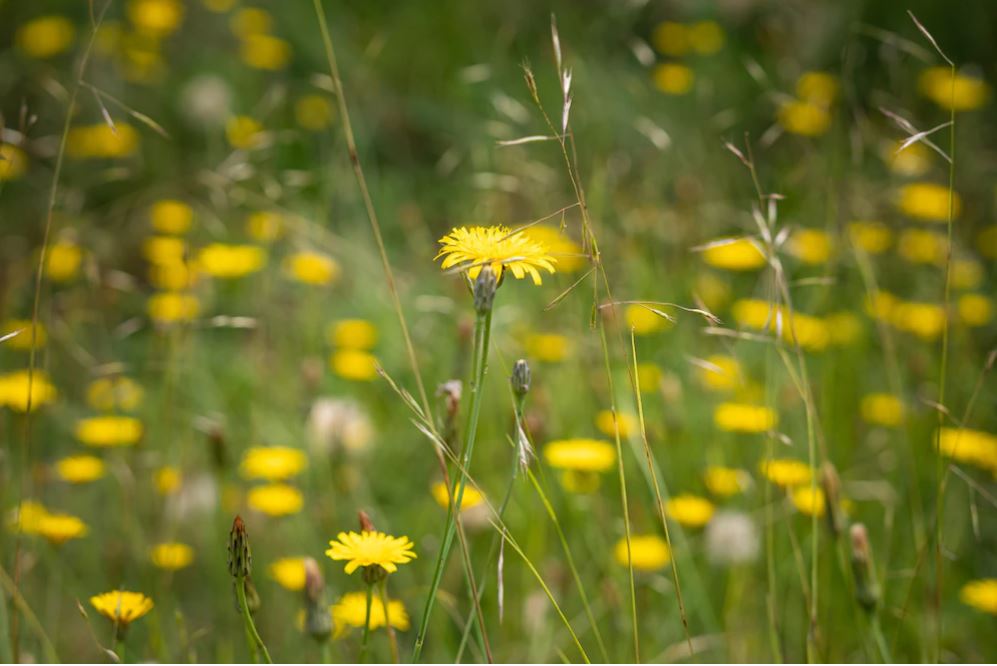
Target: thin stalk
(392, 639)
(119, 645)
(366, 624)
(879, 640)
(247, 618)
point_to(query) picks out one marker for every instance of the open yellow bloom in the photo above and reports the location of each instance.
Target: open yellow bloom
(367, 549)
(810, 332)
(312, 268)
(548, 347)
(975, 309)
(172, 306)
(354, 365)
(102, 431)
(170, 216)
(62, 261)
(115, 392)
(80, 469)
(725, 481)
(962, 93)
(275, 499)
(817, 87)
(689, 510)
(882, 409)
(264, 226)
(647, 552)
(45, 36)
(167, 480)
(357, 334)
(560, 246)
(973, 447)
(980, 594)
(273, 463)
(350, 612)
(579, 454)
(741, 417)
(925, 320)
(164, 250)
(313, 112)
(734, 254)
(122, 607)
(472, 496)
(920, 246)
(649, 377)
(14, 388)
(873, 237)
(13, 162)
(101, 142)
(155, 18)
(673, 78)
(250, 21)
(786, 472)
(27, 333)
(265, 52)
(471, 248)
(804, 118)
(643, 320)
(706, 37)
(243, 132)
(27, 517)
(912, 161)
(289, 572)
(171, 555)
(231, 261)
(58, 528)
(808, 501)
(811, 246)
(671, 38)
(608, 423)
(720, 373)
(928, 202)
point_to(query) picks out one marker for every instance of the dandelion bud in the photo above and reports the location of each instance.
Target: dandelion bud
(520, 378)
(863, 569)
(240, 559)
(318, 624)
(366, 525)
(484, 290)
(831, 484)
(253, 601)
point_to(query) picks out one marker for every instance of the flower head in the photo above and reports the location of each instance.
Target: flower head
(276, 499)
(369, 549)
(101, 431)
(122, 607)
(63, 259)
(786, 472)
(583, 455)
(351, 612)
(471, 248)
(80, 469)
(647, 552)
(289, 572)
(357, 334)
(980, 594)
(171, 555)
(273, 463)
(689, 510)
(353, 364)
(312, 268)
(738, 417)
(472, 496)
(725, 481)
(15, 387)
(59, 528)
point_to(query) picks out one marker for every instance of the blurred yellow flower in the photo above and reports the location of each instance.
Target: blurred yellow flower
(975, 309)
(170, 306)
(804, 118)
(14, 388)
(58, 528)
(13, 162)
(811, 333)
(358, 334)
(922, 247)
(811, 246)
(26, 334)
(925, 320)
(219, 6)
(873, 237)
(231, 261)
(579, 454)
(672, 78)
(720, 373)
(808, 501)
(272, 463)
(689, 510)
(101, 142)
(167, 480)
(725, 481)
(649, 377)
(114, 392)
(740, 417)
(156, 18)
(734, 254)
(882, 409)
(843, 328)
(62, 261)
(264, 226)
(171, 556)
(27, 517)
(706, 37)
(289, 572)
(371, 549)
(80, 469)
(45, 36)
(647, 552)
(312, 268)
(548, 347)
(250, 21)
(607, 423)
(713, 290)
(912, 161)
(354, 364)
(786, 472)
(350, 612)
(164, 249)
(470, 248)
(243, 132)
(104, 431)
(172, 275)
(313, 112)
(973, 447)
(928, 202)
(986, 242)
(966, 274)
(275, 499)
(472, 496)
(671, 38)
(643, 320)
(881, 305)
(817, 87)
(961, 92)
(170, 216)
(980, 594)
(560, 246)
(122, 607)
(265, 52)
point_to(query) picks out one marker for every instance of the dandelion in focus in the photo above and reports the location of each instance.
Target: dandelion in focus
(471, 248)
(371, 549)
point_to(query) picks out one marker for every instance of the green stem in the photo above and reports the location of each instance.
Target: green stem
(877, 636)
(392, 639)
(482, 332)
(366, 624)
(119, 644)
(247, 618)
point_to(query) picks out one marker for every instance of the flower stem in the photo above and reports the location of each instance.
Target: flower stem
(366, 624)
(482, 332)
(119, 645)
(392, 639)
(247, 618)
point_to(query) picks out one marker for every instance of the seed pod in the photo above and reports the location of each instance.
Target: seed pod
(484, 290)
(831, 484)
(240, 558)
(318, 623)
(521, 378)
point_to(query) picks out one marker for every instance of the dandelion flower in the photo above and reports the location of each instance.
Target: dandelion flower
(912, 161)
(171, 556)
(643, 320)
(740, 417)
(272, 463)
(925, 320)
(980, 594)
(354, 365)
(313, 112)
(882, 409)
(371, 549)
(231, 261)
(155, 18)
(972, 447)
(689, 510)
(720, 373)
(809, 332)
(975, 309)
(243, 132)
(169, 307)
(101, 142)
(350, 612)
(584, 455)
(671, 38)
(706, 37)
(275, 499)
(45, 36)
(472, 496)
(13, 162)
(609, 423)
(471, 248)
(27, 333)
(808, 501)
(115, 392)
(725, 481)
(734, 254)
(928, 202)
(104, 431)
(804, 118)
(647, 552)
(786, 472)
(961, 93)
(58, 528)
(289, 572)
(122, 607)
(28, 516)
(312, 268)
(172, 275)
(548, 347)
(817, 87)
(673, 78)
(265, 52)
(811, 246)
(872, 237)
(14, 390)
(167, 480)
(164, 249)
(170, 216)
(250, 21)
(80, 469)
(62, 261)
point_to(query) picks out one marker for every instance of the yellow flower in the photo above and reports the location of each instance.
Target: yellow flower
(357, 334)
(156, 18)
(809, 332)
(689, 510)
(725, 481)
(975, 309)
(358, 366)
(973, 447)
(881, 305)
(961, 93)
(548, 347)
(643, 319)
(45, 36)
(172, 275)
(804, 118)
(734, 254)
(80, 469)
(672, 78)
(986, 242)
(351, 612)
(472, 496)
(265, 52)
(101, 142)
(739, 417)
(28, 516)
(219, 6)
(647, 552)
(275, 499)
(811, 246)
(873, 237)
(62, 261)
(167, 480)
(368, 549)
(170, 306)
(313, 112)
(560, 246)
(14, 390)
(250, 21)
(706, 37)
(164, 250)
(980, 594)
(928, 202)
(170, 216)
(171, 555)
(115, 392)
(470, 248)
(104, 431)
(264, 226)
(231, 261)
(273, 463)
(808, 501)
(912, 161)
(671, 38)
(608, 425)
(817, 87)
(882, 409)
(312, 268)
(925, 320)
(649, 377)
(843, 328)
(786, 472)
(243, 132)
(581, 455)
(580, 482)
(13, 162)
(27, 333)
(922, 247)
(720, 373)
(122, 607)
(59, 528)
(289, 572)
(714, 290)
(966, 274)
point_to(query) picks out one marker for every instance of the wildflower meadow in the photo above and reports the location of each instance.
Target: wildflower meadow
(544, 332)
